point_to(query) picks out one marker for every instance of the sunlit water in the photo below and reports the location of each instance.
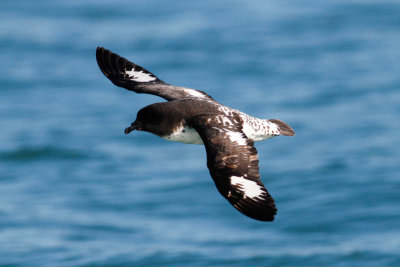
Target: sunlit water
(75, 191)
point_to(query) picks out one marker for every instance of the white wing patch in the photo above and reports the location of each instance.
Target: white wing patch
(194, 93)
(140, 76)
(237, 137)
(250, 188)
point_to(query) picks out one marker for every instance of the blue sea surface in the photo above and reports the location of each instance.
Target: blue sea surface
(76, 191)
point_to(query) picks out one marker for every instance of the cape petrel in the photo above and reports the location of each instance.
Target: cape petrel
(193, 117)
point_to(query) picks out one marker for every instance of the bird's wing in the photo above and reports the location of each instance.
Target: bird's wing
(130, 76)
(233, 163)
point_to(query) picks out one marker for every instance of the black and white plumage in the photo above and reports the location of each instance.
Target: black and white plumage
(193, 117)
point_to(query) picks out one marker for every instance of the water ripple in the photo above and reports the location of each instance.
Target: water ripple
(42, 153)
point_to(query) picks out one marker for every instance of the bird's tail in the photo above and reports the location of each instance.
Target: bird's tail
(284, 129)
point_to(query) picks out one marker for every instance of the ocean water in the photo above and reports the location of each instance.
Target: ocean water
(75, 191)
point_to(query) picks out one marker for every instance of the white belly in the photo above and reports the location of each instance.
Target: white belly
(185, 135)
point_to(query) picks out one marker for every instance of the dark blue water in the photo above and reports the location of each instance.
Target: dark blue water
(75, 191)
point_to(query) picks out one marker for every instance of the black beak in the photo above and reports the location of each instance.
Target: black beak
(131, 128)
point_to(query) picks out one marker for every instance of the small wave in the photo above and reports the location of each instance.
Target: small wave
(41, 153)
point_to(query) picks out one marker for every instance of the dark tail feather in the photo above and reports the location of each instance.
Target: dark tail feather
(283, 127)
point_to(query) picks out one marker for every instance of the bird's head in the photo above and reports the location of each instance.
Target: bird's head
(149, 119)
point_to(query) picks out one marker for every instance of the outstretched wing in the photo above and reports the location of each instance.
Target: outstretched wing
(233, 163)
(130, 76)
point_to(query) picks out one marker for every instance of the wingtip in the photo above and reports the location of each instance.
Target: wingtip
(99, 50)
(101, 60)
(267, 215)
(258, 210)
(116, 68)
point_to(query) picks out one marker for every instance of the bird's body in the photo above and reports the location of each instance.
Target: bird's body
(193, 117)
(183, 109)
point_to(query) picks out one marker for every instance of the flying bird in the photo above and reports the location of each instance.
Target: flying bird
(193, 117)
